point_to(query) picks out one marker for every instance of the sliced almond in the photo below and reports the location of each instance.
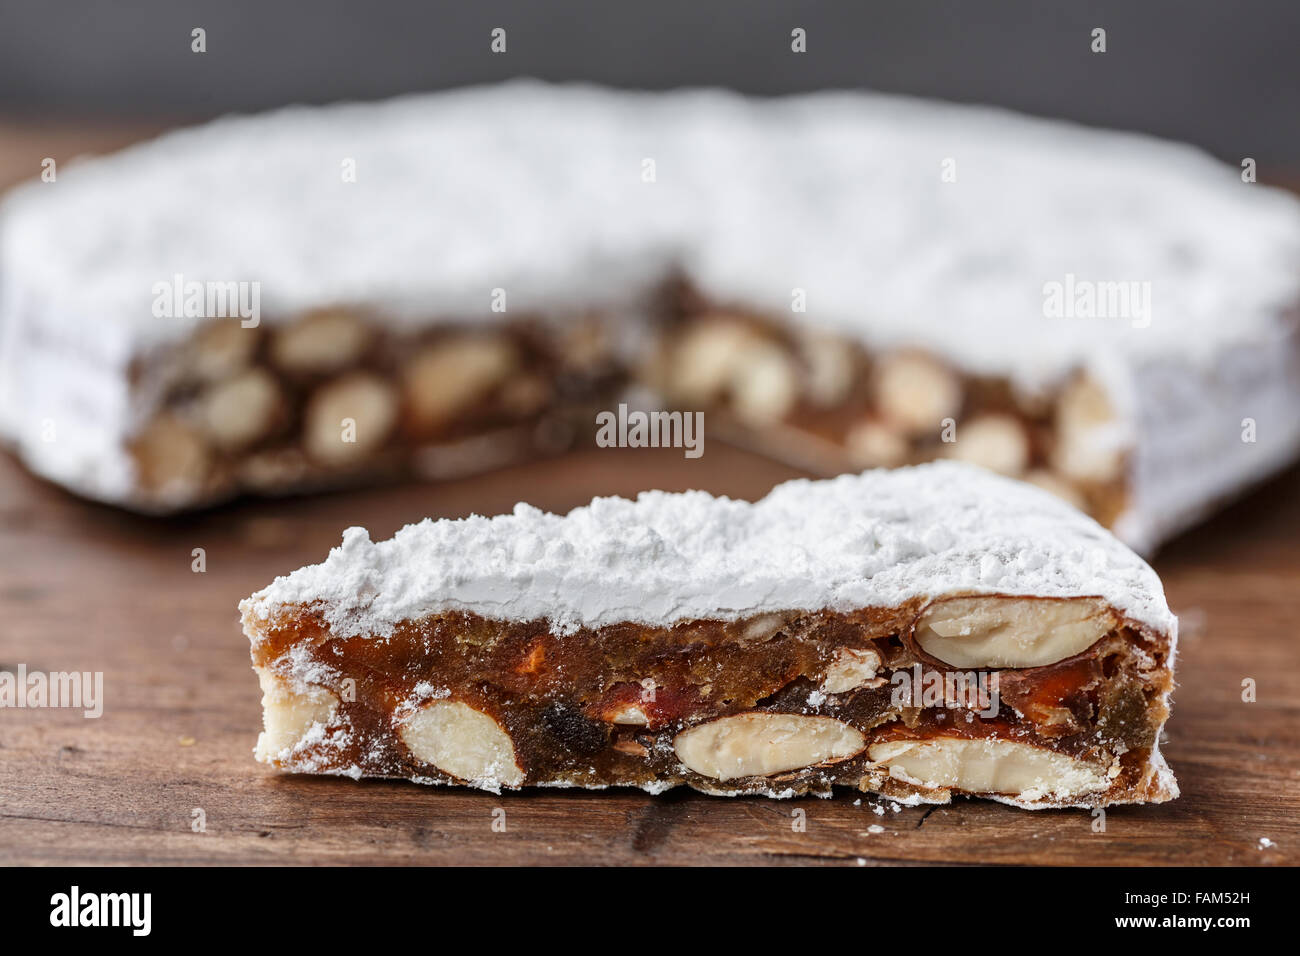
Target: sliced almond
(222, 347)
(448, 377)
(1001, 631)
(288, 714)
(759, 744)
(989, 765)
(706, 357)
(996, 442)
(349, 418)
(1089, 441)
(830, 368)
(718, 357)
(239, 411)
(764, 385)
(851, 669)
(320, 343)
(629, 703)
(765, 627)
(171, 457)
(630, 714)
(873, 444)
(463, 742)
(916, 393)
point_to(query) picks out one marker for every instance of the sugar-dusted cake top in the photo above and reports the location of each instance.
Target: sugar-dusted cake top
(875, 539)
(899, 221)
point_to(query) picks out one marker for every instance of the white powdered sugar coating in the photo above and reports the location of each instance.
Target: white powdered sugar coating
(545, 192)
(877, 539)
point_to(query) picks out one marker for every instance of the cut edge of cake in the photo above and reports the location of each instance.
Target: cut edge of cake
(451, 693)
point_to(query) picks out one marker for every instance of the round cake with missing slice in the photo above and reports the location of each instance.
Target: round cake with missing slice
(845, 280)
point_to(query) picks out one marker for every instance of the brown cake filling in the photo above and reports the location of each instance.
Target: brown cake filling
(794, 702)
(833, 406)
(337, 396)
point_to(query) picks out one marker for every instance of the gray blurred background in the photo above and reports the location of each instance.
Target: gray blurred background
(1222, 74)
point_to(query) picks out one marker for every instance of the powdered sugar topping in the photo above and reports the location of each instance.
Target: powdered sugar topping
(880, 538)
(903, 222)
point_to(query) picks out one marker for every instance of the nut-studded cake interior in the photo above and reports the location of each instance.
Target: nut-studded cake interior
(832, 405)
(338, 395)
(1038, 701)
(915, 632)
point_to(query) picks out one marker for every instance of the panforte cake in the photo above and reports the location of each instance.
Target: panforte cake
(442, 283)
(919, 633)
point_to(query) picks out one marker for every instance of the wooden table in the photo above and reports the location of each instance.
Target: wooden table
(88, 588)
(83, 587)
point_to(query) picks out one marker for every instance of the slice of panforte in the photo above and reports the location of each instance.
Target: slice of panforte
(915, 633)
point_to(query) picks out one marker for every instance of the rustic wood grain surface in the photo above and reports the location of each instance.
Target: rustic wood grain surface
(84, 587)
